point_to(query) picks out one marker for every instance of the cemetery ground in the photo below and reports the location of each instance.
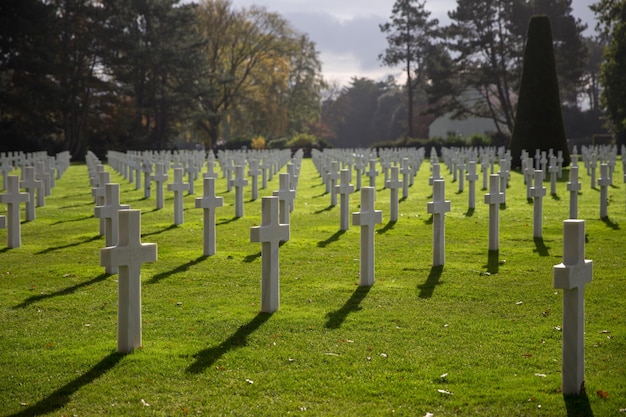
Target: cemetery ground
(478, 336)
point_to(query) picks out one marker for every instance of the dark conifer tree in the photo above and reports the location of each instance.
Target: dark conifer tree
(539, 121)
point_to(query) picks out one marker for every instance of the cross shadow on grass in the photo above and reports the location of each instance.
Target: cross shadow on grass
(252, 257)
(390, 224)
(541, 247)
(329, 208)
(578, 406)
(168, 228)
(555, 197)
(59, 398)
(610, 223)
(66, 291)
(207, 357)
(335, 237)
(232, 219)
(69, 245)
(337, 317)
(72, 220)
(180, 268)
(427, 288)
(493, 261)
(429, 220)
(469, 212)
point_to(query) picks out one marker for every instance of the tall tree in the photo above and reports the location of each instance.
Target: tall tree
(484, 46)
(539, 120)
(570, 50)
(410, 38)
(611, 16)
(155, 57)
(26, 84)
(486, 56)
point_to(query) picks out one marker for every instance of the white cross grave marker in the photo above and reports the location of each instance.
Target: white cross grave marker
(209, 202)
(128, 256)
(604, 181)
(553, 169)
(372, 173)
(571, 275)
(494, 199)
(471, 177)
(12, 198)
(438, 208)
(394, 185)
(146, 166)
(367, 218)
(178, 186)
(108, 213)
(270, 234)
(573, 186)
(239, 182)
(285, 197)
(254, 173)
(333, 176)
(344, 190)
(405, 171)
(538, 191)
(160, 177)
(30, 184)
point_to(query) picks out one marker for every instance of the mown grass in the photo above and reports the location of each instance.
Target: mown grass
(488, 322)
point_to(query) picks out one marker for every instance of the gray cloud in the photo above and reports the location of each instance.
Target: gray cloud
(359, 36)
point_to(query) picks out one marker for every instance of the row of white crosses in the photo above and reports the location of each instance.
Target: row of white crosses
(264, 163)
(38, 171)
(571, 275)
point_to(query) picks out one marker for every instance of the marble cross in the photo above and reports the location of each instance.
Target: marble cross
(285, 197)
(270, 234)
(344, 189)
(12, 198)
(160, 177)
(178, 186)
(438, 208)
(209, 202)
(367, 218)
(394, 185)
(604, 181)
(471, 178)
(538, 191)
(571, 276)
(128, 256)
(31, 184)
(494, 199)
(573, 186)
(239, 182)
(108, 213)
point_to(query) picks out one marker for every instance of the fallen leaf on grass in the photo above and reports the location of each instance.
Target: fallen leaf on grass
(144, 403)
(331, 354)
(443, 391)
(541, 375)
(429, 415)
(602, 394)
(249, 381)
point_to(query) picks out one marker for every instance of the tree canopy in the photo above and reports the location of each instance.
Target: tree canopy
(84, 74)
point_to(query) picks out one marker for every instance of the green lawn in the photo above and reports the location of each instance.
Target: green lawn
(479, 336)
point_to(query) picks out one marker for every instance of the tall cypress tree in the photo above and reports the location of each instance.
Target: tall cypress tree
(539, 122)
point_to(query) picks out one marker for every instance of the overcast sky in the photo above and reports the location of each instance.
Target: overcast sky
(346, 32)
